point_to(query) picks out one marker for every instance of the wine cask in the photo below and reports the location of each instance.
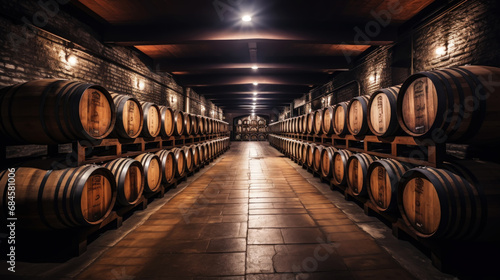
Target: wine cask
(310, 154)
(201, 127)
(58, 199)
(187, 123)
(168, 167)
(305, 120)
(55, 111)
(180, 162)
(340, 158)
(383, 181)
(152, 172)
(382, 112)
(318, 150)
(310, 123)
(152, 119)
(328, 117)
(340, 119)
(327, 163)
(180, 123)
(303, 158)
(459, 104)
(460, 202)
(189, 161)
(167, 128)
(357, 173)
(195, 129)
(129, 180)
(129, 116)
(357, 115)
(318, 122)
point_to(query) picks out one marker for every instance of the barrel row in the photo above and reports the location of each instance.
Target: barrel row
(458, 105)
(86, 195)
(458, 201)
(60, 111)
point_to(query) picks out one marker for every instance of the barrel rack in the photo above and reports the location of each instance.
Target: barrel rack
(444, 254)
(73, 242)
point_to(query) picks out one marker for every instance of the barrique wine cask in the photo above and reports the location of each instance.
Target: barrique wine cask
(129, 180)
(383, 180)
(152, 171)
(461, 104)
(357, 172)
(382, 112)
(195, 155)
(310, 154)
(129, 116)
(357, 112)
(180, 123)
(303, 158)
(167, 121)
(195, 129)
(305, 120)
(460, 202)
(310, 123)
(152, 119)
(201, 127)
(328, 117)
(327, 163)
(58, 199)
(340, 118)
(55, 111)
(187, 124)
(318, 122)
(180, 162)
(340, 158)
(318, 150)
(188, 155)
(168, 165)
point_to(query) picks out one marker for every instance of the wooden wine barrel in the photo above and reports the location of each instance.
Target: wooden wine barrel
(357, 113)
(382, 112)
(55, 111)
(340, 118)
(318, 122)
(303, 158)
(201, 155)
(441, 204)
(195, 129)
(152, 172)
(383, 180)
(167, 121)
(310, 123)
(188, 155)
(327, 163)
(262, 137)
(357, 172)
(208, 126)
(318, 150)
(129, 116)
(129, 180)
(246, 137)
(152, 119)
(58, 199)
(201, 127)
(328, 117)
(340, 158)
(206, 152)
(461, 104)
(180, 162)
(168, 165)
(187, 124)
(310, 154)
(180, 123)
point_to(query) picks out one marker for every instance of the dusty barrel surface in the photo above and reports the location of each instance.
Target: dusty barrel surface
(58, 199)
(152, 171)
(457, 104)
(382, 112)
(129, 177)
(55, 111)
(129, 116)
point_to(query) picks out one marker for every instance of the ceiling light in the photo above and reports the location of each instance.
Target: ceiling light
(255, 83)
(253, 107)
(255, 93)
(246, 18)
(255, 67)
(255, 99)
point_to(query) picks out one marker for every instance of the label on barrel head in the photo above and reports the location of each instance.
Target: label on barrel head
(419, 101)
(355, 176)
(131, 119)
(380, 107)
(381, 186)
(419, 190)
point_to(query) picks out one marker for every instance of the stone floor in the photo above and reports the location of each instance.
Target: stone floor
(253, 215)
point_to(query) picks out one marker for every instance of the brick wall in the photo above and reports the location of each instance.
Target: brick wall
(26, 55)
(469, 34)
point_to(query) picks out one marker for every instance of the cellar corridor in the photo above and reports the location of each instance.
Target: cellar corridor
(253, 214)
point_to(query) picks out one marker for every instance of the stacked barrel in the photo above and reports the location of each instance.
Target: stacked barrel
(250, 128)
(455, 200)
(57, 112)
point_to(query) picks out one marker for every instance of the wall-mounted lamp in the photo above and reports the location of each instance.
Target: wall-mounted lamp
(71, 60)
(373, 78)
(173, 99)
(141, 85)
(440, 51)
(202, 108)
